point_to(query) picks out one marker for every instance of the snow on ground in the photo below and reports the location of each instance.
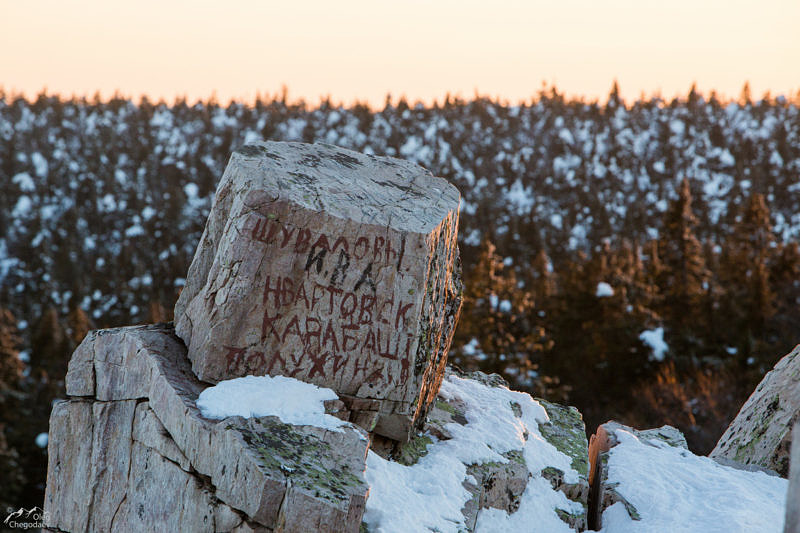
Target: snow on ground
(429, 495)
(291, 400)
(676, 491)
(654, 338)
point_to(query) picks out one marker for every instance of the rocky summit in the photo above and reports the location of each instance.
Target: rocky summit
(333, 267)
(304, 388)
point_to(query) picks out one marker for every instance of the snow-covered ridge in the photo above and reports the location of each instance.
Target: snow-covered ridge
(672, 489)
(481, 436)
(501, 426)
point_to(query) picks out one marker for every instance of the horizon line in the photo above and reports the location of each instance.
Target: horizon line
(545, 91)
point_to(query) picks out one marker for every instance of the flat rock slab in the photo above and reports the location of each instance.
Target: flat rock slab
(153, 461)
(333, 267)
(761, 434)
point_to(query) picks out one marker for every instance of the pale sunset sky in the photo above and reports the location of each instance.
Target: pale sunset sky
(363, 49)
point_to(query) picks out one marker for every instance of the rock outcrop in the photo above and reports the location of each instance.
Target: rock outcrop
(342, 270)
(129, 451)
(648, 481)
(543, 456)
(333, 267)
(603, 492)
(761, 432)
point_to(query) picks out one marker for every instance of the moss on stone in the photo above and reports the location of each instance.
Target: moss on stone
(566, 432)
(300, 456)
(410, 452)
(516, 456)
(444, 406)
(571, 519)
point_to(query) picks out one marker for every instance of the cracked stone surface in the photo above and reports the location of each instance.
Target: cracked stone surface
(131, 452)
(566, 431)
(334, 267)
(603, 493)
(761, 434)
(501, 485)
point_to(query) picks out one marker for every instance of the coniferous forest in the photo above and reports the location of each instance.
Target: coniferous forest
(639, 261)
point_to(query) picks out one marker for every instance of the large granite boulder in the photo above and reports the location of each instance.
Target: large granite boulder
(333, 267)
(761, 434)
(130, 451)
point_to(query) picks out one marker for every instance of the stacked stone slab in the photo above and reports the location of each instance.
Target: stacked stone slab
(333, 267)
(603, 493)
(761, 434)
(129, 451)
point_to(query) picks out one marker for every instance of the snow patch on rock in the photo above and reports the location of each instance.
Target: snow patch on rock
(293, 401)
(429, 495)
(674, 490)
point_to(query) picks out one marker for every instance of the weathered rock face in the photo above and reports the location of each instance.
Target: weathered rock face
(497, 485)
(761, 432)
(603, 493)
(567, 432)
(131, 452)
(333, 267)
(792, 523)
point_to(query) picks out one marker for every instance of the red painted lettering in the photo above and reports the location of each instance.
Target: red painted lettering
(312, 333)
(276, 358)
(289, 331)
(350, 338)
(401, 313)
(377, 249)
(329, 336)
(234, 357)
(269, 324)
(386, 352)
(344, 244)
(317, 364)
(276, 291)
(303, 238)
(390, 303)
(256, 361)
(364, 243)
(344, 311)
(365, 311)
(287, 235)
(301, 291)
(369, 343)
(332, 291)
